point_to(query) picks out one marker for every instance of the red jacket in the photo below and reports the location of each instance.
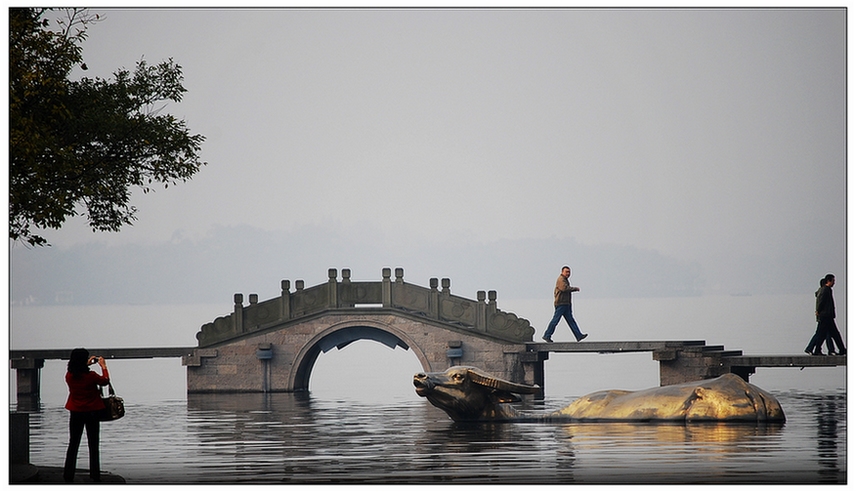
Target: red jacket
(84, 392)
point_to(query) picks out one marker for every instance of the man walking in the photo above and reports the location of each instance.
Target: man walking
(562, 303)
(825, 313)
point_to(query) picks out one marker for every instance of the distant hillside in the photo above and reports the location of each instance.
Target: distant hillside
(248, 260)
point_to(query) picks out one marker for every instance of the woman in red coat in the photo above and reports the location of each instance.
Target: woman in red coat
(84, 403)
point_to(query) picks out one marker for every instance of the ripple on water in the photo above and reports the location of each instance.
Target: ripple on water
(285, 438)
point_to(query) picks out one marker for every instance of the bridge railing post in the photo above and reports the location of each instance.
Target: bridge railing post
(491, 302)
(386, 288)
(285, 300)
(332, 289)
(481, 312)
(434, 299)
(239, 313)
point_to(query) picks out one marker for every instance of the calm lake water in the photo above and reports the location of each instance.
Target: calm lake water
(290, 438)
(362, 422)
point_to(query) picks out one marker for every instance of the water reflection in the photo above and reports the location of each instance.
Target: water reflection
(507, 453)
(830, 411)
(285, 437)
(28, 404)
(301, 439)
(295, 438)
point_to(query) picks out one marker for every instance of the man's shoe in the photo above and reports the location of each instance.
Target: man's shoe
(583, 337)
(547, 339)
(842, 352)
(817, 353)
(808, 351)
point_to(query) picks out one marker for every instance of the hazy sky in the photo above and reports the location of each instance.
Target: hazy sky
(703, 148)
(704, 135)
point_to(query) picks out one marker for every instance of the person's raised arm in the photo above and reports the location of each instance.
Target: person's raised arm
(101, 362)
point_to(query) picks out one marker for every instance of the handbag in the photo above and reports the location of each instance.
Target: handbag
(114, 406)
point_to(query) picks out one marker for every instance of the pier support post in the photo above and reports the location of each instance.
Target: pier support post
(681, 366)
(533, 369)
(743, 371)
(19, 438)
(28, 376)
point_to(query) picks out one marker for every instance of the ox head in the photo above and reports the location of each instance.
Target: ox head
(467, 394)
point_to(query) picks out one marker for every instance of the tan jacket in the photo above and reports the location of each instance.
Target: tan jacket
(562, 292)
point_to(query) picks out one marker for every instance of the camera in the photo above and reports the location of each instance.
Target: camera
(94, 359)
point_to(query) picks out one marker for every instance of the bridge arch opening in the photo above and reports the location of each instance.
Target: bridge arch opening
(367, 363)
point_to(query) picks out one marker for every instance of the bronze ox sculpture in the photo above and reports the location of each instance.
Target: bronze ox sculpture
(467, 394)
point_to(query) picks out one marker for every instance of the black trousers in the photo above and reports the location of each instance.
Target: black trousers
(833, 335)
(820, 335)
(826, 331)
(77, 422)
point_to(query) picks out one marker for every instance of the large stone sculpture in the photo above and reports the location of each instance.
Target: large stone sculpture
(467, 394)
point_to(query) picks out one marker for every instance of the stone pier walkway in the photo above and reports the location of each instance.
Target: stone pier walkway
(31, 474)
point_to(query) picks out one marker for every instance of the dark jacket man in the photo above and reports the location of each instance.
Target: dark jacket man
(824, 303)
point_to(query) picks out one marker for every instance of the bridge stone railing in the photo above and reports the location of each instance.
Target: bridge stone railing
(479, 316)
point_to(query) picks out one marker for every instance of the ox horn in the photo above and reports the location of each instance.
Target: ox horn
(483, 379)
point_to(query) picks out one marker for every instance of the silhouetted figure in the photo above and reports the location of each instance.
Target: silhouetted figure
(825, 313)
(85, 404)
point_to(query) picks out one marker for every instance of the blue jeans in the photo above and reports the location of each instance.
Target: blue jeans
(566, 312)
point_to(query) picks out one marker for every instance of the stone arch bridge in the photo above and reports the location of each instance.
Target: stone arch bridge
(273, 345)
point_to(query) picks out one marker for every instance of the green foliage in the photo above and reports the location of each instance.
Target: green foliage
(86, 143)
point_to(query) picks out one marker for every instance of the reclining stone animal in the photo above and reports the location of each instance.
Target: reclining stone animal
(467, 394)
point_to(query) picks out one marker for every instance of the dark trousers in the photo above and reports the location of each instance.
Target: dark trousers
(832, 334)
(826, 330)
(77, 422)
(816, 342)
